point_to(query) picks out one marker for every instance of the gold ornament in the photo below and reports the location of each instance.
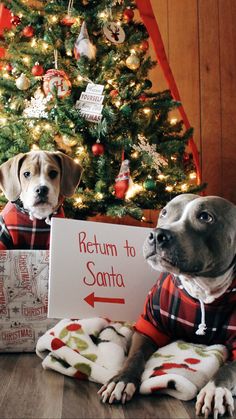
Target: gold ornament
(133, 62)
(22, 83)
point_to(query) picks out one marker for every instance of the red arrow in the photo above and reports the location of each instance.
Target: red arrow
(91, 299)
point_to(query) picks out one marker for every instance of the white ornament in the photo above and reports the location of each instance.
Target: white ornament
(150, 149)
(22, 83)
(114, 32)
(83, 45)
(36, 106)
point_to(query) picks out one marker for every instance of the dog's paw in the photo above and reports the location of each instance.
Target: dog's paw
(119, 389)
(215, 401)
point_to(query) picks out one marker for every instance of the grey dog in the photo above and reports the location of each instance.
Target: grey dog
(195, 242)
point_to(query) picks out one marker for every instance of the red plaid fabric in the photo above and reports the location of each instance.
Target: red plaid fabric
(17, 231)
(170, 313)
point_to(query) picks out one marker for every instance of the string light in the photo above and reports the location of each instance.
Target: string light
(161, 177)
(134, 188)
(47, 127)
(79, 78)
(146, 110)
(173, 121)
(99, 195)
(80, 150)
(3, 120)
(45, 46)
(33, 42)
(135, 154)
(169, 188)
(184, 187)
(117, 103)
(76, 160)
(26, 60)
(192, 175)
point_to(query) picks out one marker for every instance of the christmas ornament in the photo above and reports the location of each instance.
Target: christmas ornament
(22, 83)
(133, 62)
(128, 15)
(143, 97)
(36, 107)
(122, 180)
(98, 149)
(147, 84)
(37, 70)
(15, 20)
(156, 160)
(83, 45)
(68, 20)
(144, 45)
(114, 93)
(149, 184)
(56, 81)
(114, 32)
(8, 67)
(28, 31)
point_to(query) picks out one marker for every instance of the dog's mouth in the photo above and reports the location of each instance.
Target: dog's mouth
(40, 201)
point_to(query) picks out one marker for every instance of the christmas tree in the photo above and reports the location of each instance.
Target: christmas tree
(75, 79)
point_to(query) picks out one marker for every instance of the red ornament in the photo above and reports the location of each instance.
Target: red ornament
(56, 81)
(143, 97)
(28, 31)
(122, 180)
(15, 20)
(68, 20)
(37, 70)
(114, 93)
(128, 15)
(8, 67)
(98, 149)
(144, 45)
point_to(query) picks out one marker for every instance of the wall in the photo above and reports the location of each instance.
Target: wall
(200, 42)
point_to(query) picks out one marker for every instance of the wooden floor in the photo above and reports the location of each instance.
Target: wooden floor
(28, 391)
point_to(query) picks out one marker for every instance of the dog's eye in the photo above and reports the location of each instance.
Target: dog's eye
(163, 213)
(53, 174)
(26, 175)
(205, 217)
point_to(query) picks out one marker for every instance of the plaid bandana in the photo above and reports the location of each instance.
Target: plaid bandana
(17, 231)
(170, 313)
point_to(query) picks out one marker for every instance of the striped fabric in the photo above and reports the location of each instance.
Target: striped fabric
(17, 231)
(170, 313)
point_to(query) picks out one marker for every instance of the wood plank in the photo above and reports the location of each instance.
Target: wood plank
(227, 17)
(184, 58)
(32, 392)
(160, 9)
(210, 93)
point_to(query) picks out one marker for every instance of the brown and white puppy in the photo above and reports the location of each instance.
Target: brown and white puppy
(195, 241)
(38, 182)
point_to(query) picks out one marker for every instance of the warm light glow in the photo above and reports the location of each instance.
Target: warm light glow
(184, 187)
(33, 42)
(80, 150)
(134, 188)
(79, 78)
(35, 147)
(146, 110)
(11, 34)
(161, 177)
(132, 83)
(169, 188)
(143, 219)
(110, 81)
(173, 158)
(6, 76)
(135, 154)
(69, 53)
(132, 50)
(47, 127)
(103, 15)
(118, 103)
(3, 120)
(76, 160)
(99, 195)
(37, 129)
(78, 200)
(26, 60)
(192, 175)
(173, 121)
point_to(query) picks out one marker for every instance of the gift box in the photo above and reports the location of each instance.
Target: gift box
(23, 299)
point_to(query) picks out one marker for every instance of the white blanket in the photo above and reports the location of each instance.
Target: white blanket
(95, 349)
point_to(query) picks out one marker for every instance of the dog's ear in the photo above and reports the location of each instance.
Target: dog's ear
(70, 174)
(9, 177)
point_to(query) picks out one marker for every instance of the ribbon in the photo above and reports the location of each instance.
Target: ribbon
(148, 17)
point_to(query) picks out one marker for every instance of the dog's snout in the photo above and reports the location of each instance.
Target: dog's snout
(42, 190)
(160, 236)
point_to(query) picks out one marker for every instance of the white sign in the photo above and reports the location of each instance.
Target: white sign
(97, 269)
(89, 107)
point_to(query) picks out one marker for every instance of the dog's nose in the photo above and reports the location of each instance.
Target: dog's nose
(42, 190)
(160, 236)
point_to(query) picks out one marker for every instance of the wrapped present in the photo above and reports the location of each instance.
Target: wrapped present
(23, 299)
